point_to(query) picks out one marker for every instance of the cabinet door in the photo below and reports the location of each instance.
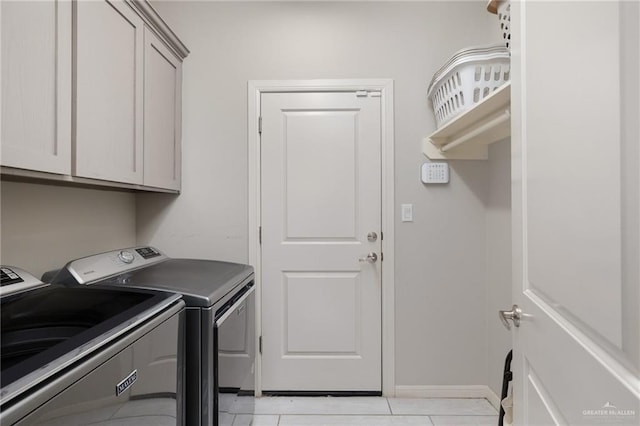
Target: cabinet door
(110, 42)
(36, 85)
(162, 114)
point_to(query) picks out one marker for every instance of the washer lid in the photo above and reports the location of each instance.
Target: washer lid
(201, 282)
(46, 330)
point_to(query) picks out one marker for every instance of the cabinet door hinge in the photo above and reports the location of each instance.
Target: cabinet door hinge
(260, 234)
(260, 125)
(260, 344)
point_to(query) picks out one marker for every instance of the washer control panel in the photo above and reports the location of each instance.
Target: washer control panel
(8, 276)
(100, 266)
(14, 280)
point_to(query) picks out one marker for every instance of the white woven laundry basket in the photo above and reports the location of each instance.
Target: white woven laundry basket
(502, 8)
(467, 78)
(504, 18)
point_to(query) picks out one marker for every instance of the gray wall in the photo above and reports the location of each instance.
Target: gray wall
(498, 259)
(441, 263)
(45, 226)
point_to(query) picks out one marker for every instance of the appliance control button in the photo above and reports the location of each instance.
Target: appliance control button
(126, 256)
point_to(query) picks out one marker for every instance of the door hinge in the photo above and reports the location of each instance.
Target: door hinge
(381, 235)
(381, 257)
(259, 125)
(260, 234)
(260, 344)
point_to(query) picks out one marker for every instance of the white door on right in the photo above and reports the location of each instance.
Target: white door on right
(576, 210)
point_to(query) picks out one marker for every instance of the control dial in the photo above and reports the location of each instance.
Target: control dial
(126, 256)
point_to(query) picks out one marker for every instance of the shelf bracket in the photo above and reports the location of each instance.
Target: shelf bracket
(505, 116)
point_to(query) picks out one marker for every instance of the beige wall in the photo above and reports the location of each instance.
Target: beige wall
(498, 259)
(441, 269)
(452, 262)
(44, 226)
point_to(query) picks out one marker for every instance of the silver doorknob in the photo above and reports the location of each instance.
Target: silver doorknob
(371, 258)
(515, 314)
(372, 237)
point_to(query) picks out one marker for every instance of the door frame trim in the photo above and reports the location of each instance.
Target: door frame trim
(385, 86)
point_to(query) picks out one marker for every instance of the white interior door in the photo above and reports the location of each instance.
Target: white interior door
(576, 199)
(321, 197)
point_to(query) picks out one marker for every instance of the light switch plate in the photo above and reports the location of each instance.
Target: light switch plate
(407, 212)
(434, 173)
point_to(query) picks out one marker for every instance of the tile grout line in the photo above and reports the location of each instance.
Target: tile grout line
(430, 417)
(389, 405)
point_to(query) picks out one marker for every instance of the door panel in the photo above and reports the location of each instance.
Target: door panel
(564, 203)
(572, 193)
(309, 330)
(321, 196)
(316, 163)
(541, 410)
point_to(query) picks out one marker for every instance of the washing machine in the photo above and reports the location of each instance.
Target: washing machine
(220, 322)
(79, 355)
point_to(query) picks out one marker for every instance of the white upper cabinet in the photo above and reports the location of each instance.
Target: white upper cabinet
(91, 93)
(109, 45)
(162, 114)
(36, 85)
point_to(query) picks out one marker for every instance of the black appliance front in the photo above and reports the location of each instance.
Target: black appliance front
(220, 373)
(76, 356)
(234, 351)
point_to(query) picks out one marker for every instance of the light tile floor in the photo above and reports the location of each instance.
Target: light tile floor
(365, 411)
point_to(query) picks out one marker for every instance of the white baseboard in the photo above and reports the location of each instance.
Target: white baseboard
(470, 391)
